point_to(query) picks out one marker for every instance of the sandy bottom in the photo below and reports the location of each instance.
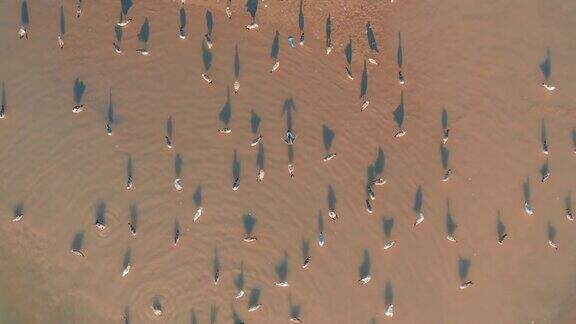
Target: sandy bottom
(477, 60)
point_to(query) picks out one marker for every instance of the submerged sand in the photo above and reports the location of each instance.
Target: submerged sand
(477, 60)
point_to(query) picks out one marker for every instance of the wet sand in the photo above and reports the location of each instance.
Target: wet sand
(479, 61)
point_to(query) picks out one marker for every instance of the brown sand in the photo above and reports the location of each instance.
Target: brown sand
(479, 59)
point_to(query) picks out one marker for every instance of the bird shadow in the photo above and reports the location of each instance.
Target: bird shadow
(193, 318)
(78, 241)
(331, 198)
(388, 293)
(226, 111)
(320, 222)
(78, 89)
(169, 127)
(500, 226)
(207, 57)
(176, 230)
(399, 111)
(301, 16)
(252, 8)
(182, 18)
(129, 167)
(178, 165)
(282, 268)
(236, 62)
(62, 22)
(574, 138)
(568, 201)
(463, 268)
(156, 304)
(444, 118)
(328, 137)
(239, 281)
(110, 111)
(380, 161)
(418, 199)
(216, 262)
(399, 55)
(291, 153)
(364, 269)
(127, 258)
(101, 213)
(544, 169)
(249, 223)
(209, 22)
(328, 31)
(126, 5)
(260, 157)
(551, 232)
(450, 223)
(388, 225)
(371, 38)
(275, 50)
(254, 122)
(24, 15)
(198, 196)
(287, 109)
(254, 298)
(305, 249)
(213, 314)
(445, 154)
(235, 317)
(118, 33)
(546, 65)
(235, 167)
(348, 52)
(364, 82)
(134, 216)
(543, 133)
(144, 33)
(18, 210)
(526, 190)
(294, 308)
(4, 100)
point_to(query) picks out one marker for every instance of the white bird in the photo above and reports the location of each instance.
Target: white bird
(198, 213)
(528, 208)
(78, 109)
(207, 78)
(400, 133)
(275, 66)
(373, 61)
(124, 22)
(178, 184)
(143, 51)
(256, 140)
(466, 284)
(282, 283)
(332, 214)
(419, 218)
(365, 105)
(261, 174)
(126, 270)
(239, 294)
(236, 86)
(329, 157)
(389, 244)
(365, 279)
(254, 308)
(548, 86)
(252, 26)
(389, 310)
(225, 130)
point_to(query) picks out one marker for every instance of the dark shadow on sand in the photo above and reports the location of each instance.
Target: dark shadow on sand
(380, 161)
(24, 15)
(235, 166)
(444, 118)
(178, 165)
(193, 318)
(134, 216)
(275, 50)
(364, 82)
(110, 111)
(235, 317)
(526, 190)
(169, 127)
(282, 268)
(236, 62)
(371, 38)
(62, 22)
(126, 5)
(291, 154)
(118, 33)
(4, 100)
(129, 168)
(320, 222)
(127, 258)
(546, 65)
(444, 154)
(209, 22)
(450, 223)
(78, 241)
(260, 156)
(18, 210)
(79, 88)
(573, 137)
(463, 268)
(294, 308)
(328, 31)
(198, 196)
(387, 225)
(101, 213)
(551, 232)
(418, 200)
(182, 18)
(213, 313)
(543, 133)
(399, 111)
(254, 122)
(364, 269)
(328, 137)
(331, 198)
(287, 109)
(305, 249)
(252, 8)
(216, 263)
(206, 57)
(226, 111)
(568, 201)
(500, 226)
(399, 55)
(348, 52)
(239, 281)
(301, 16)
(144, 33)
(388, 293)
(544, 169)
(254, 298)
(249, 223)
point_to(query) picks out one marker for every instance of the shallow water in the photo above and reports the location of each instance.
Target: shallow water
(479, 61)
